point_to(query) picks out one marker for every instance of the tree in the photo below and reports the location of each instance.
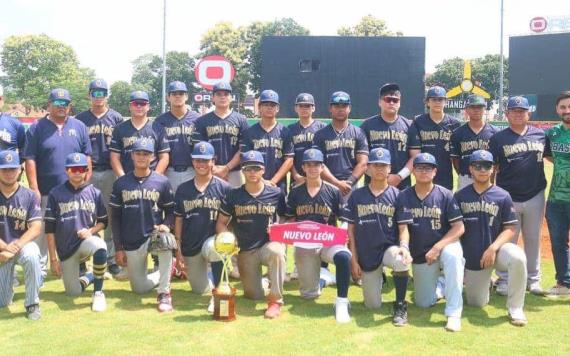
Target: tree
(119, 97)
(369, 26)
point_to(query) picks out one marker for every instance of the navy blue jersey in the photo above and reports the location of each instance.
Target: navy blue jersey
(464, 142)
(427, 136)
(484, 216)
(374, 219)
(138, 204)
(252, 215)
(16, 212)
(302, 139)
(340, 148)
(224, 134)
(428, 220)
(521, 168)
(392, 136)
(181, 136)
(48, 146)
(12, 134)
(274, 145)
(70, 210)
(125, 134)
(199, 212)
(100, 133)
(323, 208)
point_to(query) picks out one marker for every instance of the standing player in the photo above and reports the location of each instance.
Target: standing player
(254, 206)
(48, 142)
(375, 240)
(301, 134)
(12, 132)
(319, 201)
(390, 131)
(141, 202)
(431, 133)
(223, 128)
(558, 206)
(518, 152)
(101, 121)
(435, 225)
(490, 223)
(128, 132)
(197, 204)
(21, 216)
(178, 124)
(271, 139)
(469, 137)
(74, 215)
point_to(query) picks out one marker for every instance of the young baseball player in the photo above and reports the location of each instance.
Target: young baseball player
(75, 213)
(13, 131)
(253, 207)
(490, 223)
(375, 240)
(22, 220)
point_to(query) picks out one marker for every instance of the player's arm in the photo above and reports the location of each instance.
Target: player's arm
(344, 186)
(404, 237)
(222, 223)
(162, 164)
(222, 171)
(299, 179)
(455, 161)
(355, 270)
(31, 174)
(178, 235)
(280, 174)
(488, 258)
(89, 169)
(359, 168)
(115, 160)
(453, 235)
(53, 260)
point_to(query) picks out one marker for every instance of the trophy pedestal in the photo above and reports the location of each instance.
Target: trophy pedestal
(224, 305)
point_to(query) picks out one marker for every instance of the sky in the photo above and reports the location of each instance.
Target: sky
(108, 35)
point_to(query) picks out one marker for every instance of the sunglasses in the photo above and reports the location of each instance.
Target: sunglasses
(482, 166)
(391, 100)
(60, 103)
(139, 103)
(98, 94)
(424, 168)
(77, 169)
(252, 169)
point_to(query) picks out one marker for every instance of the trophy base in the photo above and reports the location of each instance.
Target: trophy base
(224, 305)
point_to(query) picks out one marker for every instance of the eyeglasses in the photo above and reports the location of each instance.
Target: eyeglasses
(391, 100)
(252, 169)
(77, 169)
(424, 168)
(139, 103)
(60, 103)
(482, 166)
(98, 93)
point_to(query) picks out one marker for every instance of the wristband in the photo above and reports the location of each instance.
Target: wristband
(352, 180)
(405, 245)
(404, 173)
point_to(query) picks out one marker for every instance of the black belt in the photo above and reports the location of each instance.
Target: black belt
(101, 168)
(180, 168)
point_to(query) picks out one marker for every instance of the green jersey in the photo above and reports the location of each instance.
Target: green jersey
(558, 146)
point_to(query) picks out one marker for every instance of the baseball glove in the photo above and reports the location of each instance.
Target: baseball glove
(162, 241)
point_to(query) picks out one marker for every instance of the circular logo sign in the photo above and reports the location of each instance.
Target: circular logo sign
(214, 69)
(538, 24)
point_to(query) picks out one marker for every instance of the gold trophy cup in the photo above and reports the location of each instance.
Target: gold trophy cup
(225, 244)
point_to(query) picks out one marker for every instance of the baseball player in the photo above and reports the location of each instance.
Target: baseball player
(141, 202)
(319, 201)
(271, 139)
(469, 137)
(75, 213)
(48, 142)
(21, 217)
(197, 203)
(254, 206)
(374, 238)
(518, 151)
(178, 124)
(490, 223)
(558, 205)
(344, 147)
(12, 132)
(223, 128)
(301, 134)
(390, 131)
(431, 133)
(139, 126)
(101, 121)
(434, 224)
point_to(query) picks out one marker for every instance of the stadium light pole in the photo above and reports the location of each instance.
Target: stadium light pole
(501, 69)
(164, 58)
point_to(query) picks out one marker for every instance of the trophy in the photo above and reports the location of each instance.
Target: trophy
(225, 245)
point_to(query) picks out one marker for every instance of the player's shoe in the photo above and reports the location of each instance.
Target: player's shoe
(123, 275)
(273, 310)
(177, 273)
(294, 274)
(558, 290)
(328, 277)
(341, 310)
(502, 289)
(400, 316)
(211, 305)
(517, 317)
(114, 269)
(453, 324)
(535, 288)
(33, 312)
(164, 302)
(440, 288)
(98, 302)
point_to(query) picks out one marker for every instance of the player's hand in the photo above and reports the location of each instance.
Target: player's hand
(488, 258)
(121, 258)
(344, 186)
(394, 180)
(55, 268)
(270, 182)
(355, 270)
(180, 261)
(406, 257)
(221, 171)
(13, 247)
(5, 256)
(299, 179)
(162, 228)
(432, 255)
(84, 234)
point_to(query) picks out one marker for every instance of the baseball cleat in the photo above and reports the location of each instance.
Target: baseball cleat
(273, 310)
(502, 289)
(33, 312)
(164, 302)
(535, 288)
(400, 316)
(341, 310)
(98, 302)
(211, 305)
(517, 317)
(558, 290)
(453, 324)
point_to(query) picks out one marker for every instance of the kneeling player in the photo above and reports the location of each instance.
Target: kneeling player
(490, 223)
(75, 213)
(374, 237)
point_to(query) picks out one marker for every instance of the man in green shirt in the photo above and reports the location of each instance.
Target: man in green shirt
(558, 205)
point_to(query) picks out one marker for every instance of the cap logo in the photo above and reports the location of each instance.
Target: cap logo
(76, 158)
(251, 155)
(426, 156)
(139, 93)
(9, 158)
(144, 141)
(312, 154)
(305, 98)
(484, 154)
(60, 93)
(202, 148)
(98, 82)
(518, 100)
(380, 153)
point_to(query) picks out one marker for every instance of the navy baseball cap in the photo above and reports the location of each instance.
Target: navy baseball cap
(313, 155)
(518, 102)
(76, 160)
(436, 92)
(389, 88)
(340, 97)
(425, 158)
(379, 155)
(143, 144)
(203, 150)
(481, 156)
(222, 86)
(139, 95)
(475, 100)
(305, 98)
(252, 158)
(177, 86)
(9, 159)
(269, 96)
(59, 94)
(98, 84)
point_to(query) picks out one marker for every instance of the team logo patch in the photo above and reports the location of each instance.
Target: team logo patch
(202, 148)
(9, 158)
(251, 155)
(518, 100)
(484, 155)
(98, 82)
(60, 93)
(380, 153)
(312, 154)
(76, 158)
(144, 141)
(426, 156)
